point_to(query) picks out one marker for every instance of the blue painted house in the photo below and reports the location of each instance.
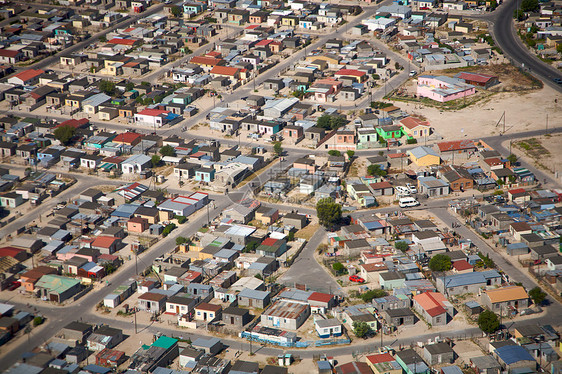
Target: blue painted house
(205, 174)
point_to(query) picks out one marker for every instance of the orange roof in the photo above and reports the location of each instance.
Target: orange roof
(509, 293)
(397, 155)
(322, 297)
(413, 122)
(374, 267)
(204, 60)
(8, 53)
(461, 265)
(225, 70)
(456, 145)
(210, 307)
(377, 359)
(122, 41)
(76, 123)
(126, 137)
(215, 54)
(431, 302)
(29, 74)
(103, 241)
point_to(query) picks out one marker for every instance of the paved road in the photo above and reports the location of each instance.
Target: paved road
(504, 34)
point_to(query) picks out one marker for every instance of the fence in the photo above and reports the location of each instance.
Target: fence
(299, 344)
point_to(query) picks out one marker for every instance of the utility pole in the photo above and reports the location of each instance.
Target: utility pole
(135, 320)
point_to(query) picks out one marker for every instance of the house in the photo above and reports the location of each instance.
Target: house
(327, 328)
(424, 156)
(505, 300)
(137, 225)
(443, 88)
(478, 79)
(383, 363)
(210, 346)
(391, 279)
(253, 298)
(90, 161)
(285, 315)
(459, 179)
(415, 127)
(104, 337)
(411, 362)
(271, 247)
(456, 147)
(136, 164)
(190, 356)
(152, 302)
(543, 252)
(30, 277)
(185, 205)
(236, 317)
(512, 357)
(154, 117)
(57, 288)
(10, 200)
(433, 307)
(266, 216)
(27, 77)
(244, 367)
(459, 284)
(439, 353)
(433, 187)
(110, 358)
(399, 317)
(106, 244)
(296, 220)
(75, 331)
(208, 312)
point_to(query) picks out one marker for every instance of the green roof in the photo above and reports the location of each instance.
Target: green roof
(56, 283)
(165, 342)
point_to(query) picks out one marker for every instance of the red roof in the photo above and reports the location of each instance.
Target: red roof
(461, 265)
(397, 155)
(251, 27)
(476, 77)
(456, 145)
(29, 74)
(413, 122)
(129, 29)
(269, 242)
(377, 359)
(263, 42)
(153, 112)
(225, 70)
(208, 306)
(431, 302)
(76, 123)
(10, 251)
(103, 241)
(215, 54)
(322, 297)
(122, 41)
(8, 53)
(380, 185)
(127, 137)
(516, 191)
(351, 72)
(204, 60)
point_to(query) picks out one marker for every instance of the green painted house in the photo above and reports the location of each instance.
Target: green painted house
(390, 132)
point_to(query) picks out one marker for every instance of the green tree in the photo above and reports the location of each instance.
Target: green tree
(109, 268)
(488, 321)
(440, 262)
(251, 247)
(64, 133)
(129, 86)
(291, 236)
(530, 5)
(277, 148)
(177, 11)
(512, 158)
(376, 171)
(168, 229)
(334, 152)
(339, 268)
(518, 14)
(372, 294)
(361, 329)
(350, 154)
(102, 39)
(328, 212)
(167, 150)
(396, 65)
(330, 122)
(107, 87)
(559, 48)
(537, 295)
(401, 245)
(155, 160)
(37, 321)
(181, 240)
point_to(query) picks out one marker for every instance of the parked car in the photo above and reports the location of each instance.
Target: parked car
(14, 285)
(401, 190)
(411, 188)
(356, 278)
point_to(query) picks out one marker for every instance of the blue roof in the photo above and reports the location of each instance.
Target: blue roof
(125, 210)
(451, 370)
(516, 245)
(253, 294)
(96, 369)
(511, 354)
(205, 342)
(470, 278)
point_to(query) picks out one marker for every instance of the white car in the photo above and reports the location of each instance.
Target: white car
(401, 190)
(411, 188)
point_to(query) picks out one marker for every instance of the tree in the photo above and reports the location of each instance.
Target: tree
(396, 65)
(37, 321)
(512, 158)
(64, 133)
(328, 212)
(177, 11)
(559, 48)
(361, 329)
(168, 229)
(167, 150)
(488, 321)
(375, 171)
(530, 5)
(350, 154)
(181, 240)
(334, 152)
(103, 39)
(278, 148)
(440, 262)
(401, 245)
(372, 294)
(107, 87)
(155, 160)
(339, 268)
(330, 122)
(518, 14)
(291, 236)
(537, 295)
(129, 86)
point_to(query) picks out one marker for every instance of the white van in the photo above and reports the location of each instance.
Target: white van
(407, 202)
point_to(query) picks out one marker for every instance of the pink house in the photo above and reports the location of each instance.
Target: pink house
(325, 88)
(443, 88)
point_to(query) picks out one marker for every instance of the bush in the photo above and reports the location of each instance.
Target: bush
(376, 171)
(537, 295)
(168, 229)
(488, 321)
(38, 321)
(361, 329)
(339, 268)
(181, 219)
(334, 152)
(412, 141)
(328, 212)
(401, 245)
(440, 262)
(372, 294)
(181, 240)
